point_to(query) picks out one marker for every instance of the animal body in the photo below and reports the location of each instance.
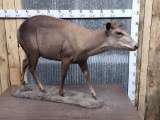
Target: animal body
(61, 40)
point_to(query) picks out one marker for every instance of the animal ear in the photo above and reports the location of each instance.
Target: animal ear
(108, 26)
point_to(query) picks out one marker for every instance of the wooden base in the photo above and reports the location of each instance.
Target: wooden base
(117, 106)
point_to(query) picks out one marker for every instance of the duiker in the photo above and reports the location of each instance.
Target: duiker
(61, 40)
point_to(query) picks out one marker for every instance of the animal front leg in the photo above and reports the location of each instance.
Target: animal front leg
(64, 68)
(84, 68)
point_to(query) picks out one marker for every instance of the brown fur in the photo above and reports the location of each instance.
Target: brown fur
(58, 39)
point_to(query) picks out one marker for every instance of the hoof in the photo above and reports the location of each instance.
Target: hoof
(24, 83)
(95, 97)
(43, 90)
(61, 94)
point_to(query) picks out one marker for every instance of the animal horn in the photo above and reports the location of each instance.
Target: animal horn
(121, 25)
(114, 25)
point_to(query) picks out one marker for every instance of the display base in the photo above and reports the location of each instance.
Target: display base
(31, 91)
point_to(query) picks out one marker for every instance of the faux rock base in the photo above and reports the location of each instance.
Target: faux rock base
(71, 97)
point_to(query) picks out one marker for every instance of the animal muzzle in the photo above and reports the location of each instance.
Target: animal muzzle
(136, 47)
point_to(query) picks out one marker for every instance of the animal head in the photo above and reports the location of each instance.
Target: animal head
(118, 38)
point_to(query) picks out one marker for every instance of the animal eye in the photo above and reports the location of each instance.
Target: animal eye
(119, 33)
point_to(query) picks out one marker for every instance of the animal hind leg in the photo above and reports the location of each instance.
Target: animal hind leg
(64, 68)
(84, 68)
(33, 60)
(24, 66)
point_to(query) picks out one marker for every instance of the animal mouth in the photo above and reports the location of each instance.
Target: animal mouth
(133, 49)
(130, 48)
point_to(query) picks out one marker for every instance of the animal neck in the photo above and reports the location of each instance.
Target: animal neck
(97, 42)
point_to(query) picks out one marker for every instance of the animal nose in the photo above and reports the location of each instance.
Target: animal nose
(136, 47)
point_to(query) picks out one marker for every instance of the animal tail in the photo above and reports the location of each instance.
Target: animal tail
(18, 36)
(18, 45)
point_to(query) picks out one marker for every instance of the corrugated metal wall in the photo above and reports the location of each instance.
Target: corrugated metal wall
(108, 67)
